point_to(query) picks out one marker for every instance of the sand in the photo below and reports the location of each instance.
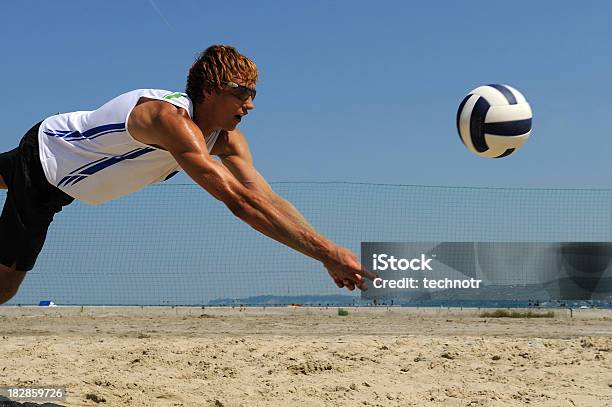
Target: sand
(307, 356)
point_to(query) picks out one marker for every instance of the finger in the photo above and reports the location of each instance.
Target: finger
(349, 285)
(363, 286)
(368, 274)
(339, 283)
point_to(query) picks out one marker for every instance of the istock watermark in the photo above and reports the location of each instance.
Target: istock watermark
(384, 262)
(446, 272)
(399, 266)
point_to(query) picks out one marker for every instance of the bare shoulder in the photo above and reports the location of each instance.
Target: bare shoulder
(151, 118)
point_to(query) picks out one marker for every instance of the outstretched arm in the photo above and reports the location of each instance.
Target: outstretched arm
(238, 159)
(171, 128)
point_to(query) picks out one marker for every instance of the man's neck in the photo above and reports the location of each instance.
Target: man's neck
(201, 116)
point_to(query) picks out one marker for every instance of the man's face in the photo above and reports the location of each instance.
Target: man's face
(233, 102)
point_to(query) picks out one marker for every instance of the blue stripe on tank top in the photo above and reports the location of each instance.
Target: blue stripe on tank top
(172, 174)
(83, 172)
(87, 134)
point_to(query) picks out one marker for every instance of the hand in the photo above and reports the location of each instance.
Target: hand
(346, 271)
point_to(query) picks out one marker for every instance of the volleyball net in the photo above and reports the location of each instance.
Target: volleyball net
(173, 244)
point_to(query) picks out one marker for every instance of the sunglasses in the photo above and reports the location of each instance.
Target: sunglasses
(240, 91)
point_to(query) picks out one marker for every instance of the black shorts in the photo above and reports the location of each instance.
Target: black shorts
(31, 202)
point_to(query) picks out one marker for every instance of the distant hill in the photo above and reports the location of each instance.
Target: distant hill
(312, 300)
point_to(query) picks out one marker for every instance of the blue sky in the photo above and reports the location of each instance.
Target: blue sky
(354, 91)
(349, 91)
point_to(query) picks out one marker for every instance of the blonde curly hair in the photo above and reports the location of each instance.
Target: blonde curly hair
(217, 64)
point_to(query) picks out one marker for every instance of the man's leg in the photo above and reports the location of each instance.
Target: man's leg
(10, 280)
(23, 221)
(10, 277)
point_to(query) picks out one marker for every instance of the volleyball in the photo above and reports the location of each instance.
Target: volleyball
(494, 121)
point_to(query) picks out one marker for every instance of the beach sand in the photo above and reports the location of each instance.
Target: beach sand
(110, 356)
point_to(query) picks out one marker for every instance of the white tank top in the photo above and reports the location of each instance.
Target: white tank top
(92, 157)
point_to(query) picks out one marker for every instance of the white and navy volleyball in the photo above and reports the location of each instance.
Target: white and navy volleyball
(494, 120)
